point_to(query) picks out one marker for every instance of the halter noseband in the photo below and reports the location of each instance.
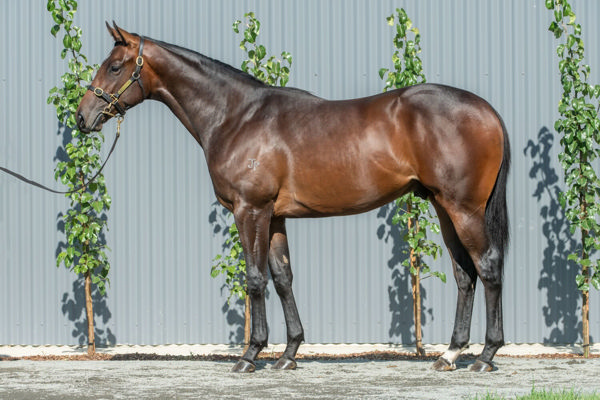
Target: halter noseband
(113, 98)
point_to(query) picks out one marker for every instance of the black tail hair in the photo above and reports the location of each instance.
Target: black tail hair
(496, 212)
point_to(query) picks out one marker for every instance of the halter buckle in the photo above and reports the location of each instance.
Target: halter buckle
(98, 92)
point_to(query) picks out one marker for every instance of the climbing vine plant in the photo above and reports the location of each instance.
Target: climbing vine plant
(85, 221)
(411, 211)
(579, 127)
(274, 72)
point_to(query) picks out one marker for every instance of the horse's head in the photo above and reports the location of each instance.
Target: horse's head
(118, 84)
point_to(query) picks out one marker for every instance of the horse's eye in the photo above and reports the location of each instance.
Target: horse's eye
(114, 68)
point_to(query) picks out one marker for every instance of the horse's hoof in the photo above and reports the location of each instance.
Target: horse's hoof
(285, 363)
(481, 366)
(244, 366)
(443, 365)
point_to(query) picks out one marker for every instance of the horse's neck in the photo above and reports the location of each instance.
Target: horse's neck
(201, 92)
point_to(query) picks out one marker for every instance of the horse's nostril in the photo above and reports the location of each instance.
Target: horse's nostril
(80, 120)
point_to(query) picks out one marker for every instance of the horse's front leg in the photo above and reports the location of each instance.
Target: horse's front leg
(253, 225)
(281, 272)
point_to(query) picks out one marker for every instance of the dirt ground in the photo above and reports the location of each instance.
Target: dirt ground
(365, 376)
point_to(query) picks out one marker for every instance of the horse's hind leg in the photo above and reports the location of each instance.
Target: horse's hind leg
(488, 261)
(490, 272)
(465, 275)
(279, 264)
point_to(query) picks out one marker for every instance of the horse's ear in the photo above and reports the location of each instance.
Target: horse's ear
(116, 33)
(112, 32)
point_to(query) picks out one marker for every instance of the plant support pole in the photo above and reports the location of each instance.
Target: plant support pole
(247, 323)
(415, 280)
(585, 294)
(89, 307)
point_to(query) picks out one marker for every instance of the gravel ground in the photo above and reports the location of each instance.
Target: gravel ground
(322, 379)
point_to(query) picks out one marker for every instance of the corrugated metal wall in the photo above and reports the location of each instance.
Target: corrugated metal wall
(348, 282)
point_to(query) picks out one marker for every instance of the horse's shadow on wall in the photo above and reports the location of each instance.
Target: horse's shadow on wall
(399, 291)
(73, 302)
(557, 277)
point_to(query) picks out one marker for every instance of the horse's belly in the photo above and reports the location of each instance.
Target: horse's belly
(336, 198)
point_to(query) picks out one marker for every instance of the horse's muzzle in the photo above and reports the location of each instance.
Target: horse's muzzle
(95, 125)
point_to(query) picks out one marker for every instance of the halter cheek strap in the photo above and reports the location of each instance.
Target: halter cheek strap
(113, 98)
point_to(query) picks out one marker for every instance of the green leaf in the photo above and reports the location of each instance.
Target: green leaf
(236, 25)
(556, 29)
(98, 206)
(57, 16)
(441, 275)
(558, 15)
(571, 40)
(261, 52)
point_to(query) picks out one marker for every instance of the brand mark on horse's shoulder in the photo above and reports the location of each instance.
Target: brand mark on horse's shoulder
(253, 163)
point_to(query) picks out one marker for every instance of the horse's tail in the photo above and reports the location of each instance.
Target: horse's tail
(496, 213)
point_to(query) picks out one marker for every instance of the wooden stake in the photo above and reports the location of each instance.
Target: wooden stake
(89, 307)
(415, 280)
(247, 320)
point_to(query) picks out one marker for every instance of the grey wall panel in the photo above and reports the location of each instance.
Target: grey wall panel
(348, 282)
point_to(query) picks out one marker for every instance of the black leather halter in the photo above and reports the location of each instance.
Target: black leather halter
(113, 101)
(113, 98)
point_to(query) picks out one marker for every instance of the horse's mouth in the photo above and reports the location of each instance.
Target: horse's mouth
(97, 124)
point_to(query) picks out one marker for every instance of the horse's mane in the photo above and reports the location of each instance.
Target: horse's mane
(220, 66)
(196, 57)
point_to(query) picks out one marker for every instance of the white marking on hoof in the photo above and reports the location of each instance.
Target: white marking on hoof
(451, 355)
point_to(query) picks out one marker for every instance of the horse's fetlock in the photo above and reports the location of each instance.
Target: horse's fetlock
(296, 337)
(495, 341)
(460, 342)
(260, 342)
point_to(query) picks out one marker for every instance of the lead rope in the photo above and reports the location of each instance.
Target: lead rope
(80, 187)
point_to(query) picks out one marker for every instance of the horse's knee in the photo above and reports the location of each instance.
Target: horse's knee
(257, 282)
(491, 279)
(282, 286)
(465, 283)
(282, 281)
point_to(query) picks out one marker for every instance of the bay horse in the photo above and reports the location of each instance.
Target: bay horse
(275, 153)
